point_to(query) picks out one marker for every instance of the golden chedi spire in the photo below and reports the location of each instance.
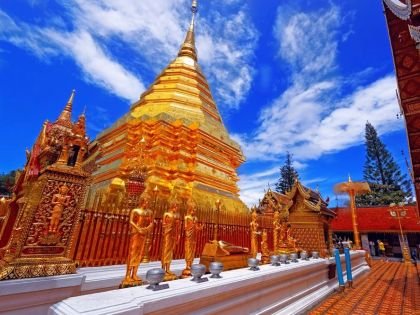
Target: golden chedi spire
(65, 116)
(188, 47)
(187, 148)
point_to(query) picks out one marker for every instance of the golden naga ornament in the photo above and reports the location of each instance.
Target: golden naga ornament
(141, 224)
(170, 236)
(191, 227)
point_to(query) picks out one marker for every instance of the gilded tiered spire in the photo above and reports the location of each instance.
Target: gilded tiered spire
(65, 116)
(188, 47)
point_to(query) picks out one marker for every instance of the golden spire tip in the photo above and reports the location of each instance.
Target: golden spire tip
(70, 101)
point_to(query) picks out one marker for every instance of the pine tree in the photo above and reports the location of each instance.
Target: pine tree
(288, 174)
(383, 174)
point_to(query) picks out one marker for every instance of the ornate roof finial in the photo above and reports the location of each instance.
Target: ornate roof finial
(84, 111)
(188, 47)
(350, 178)
(65, 115)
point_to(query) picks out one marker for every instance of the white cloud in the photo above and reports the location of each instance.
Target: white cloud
(99, 68)
(319, 113)
(311, 118)
(125, 38)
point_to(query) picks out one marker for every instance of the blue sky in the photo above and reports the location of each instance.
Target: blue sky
(299, 76)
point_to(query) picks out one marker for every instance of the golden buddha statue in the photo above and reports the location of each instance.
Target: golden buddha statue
(254, 234)
(287, 244)
(191, 226)
(141, 224)
(265, 252)
(171, 235)
(59, 202)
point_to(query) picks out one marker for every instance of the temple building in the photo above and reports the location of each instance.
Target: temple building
(306, 212)
(403, 20)
(376, 223)
(174, 136)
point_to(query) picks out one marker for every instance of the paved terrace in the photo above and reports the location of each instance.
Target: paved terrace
(389, 288)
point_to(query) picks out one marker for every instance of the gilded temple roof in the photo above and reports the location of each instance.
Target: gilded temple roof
(312, 199)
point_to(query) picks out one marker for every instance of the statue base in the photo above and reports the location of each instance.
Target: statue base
(186, 273)
(169, 276)
(213, 252)
(130, 283)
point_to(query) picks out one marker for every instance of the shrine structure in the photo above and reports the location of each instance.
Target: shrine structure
(403, 20)
(306, 212)
(38, 234)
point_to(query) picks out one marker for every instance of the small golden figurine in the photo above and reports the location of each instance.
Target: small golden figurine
(141, 224)
(265, 252)
(191, 227)
(254, 234)
(171, 235)
(59, 201)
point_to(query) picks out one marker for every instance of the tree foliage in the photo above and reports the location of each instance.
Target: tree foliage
(387, 182)
(288, 174)
(6, 183)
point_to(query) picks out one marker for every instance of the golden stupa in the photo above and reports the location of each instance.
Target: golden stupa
(173, 138)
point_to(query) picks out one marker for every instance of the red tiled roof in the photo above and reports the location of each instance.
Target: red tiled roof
(375, 219)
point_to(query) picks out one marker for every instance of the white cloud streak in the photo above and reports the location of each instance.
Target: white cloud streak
(113, 41)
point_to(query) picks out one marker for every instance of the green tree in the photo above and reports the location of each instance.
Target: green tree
(6, 183)
(288, 174)
(387, 182)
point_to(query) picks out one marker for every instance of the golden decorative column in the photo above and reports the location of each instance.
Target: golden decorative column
(216, 223)
(146, 256)
(352, 189)
(265, 252)
(398, 212)
(276, 230)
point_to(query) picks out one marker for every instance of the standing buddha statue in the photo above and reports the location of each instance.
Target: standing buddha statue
(191, 227)
(141, 224)
(254, 234)
(171, 235)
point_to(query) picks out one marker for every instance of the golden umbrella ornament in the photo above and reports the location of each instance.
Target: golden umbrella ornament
(352, 189)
